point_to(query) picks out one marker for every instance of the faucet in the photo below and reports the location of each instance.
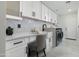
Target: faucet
(44, 26)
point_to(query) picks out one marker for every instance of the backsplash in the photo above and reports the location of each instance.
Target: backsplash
(26, 25)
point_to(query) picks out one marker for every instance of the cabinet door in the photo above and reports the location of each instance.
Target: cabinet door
(44, 13)
(13, 7)
(27, 8)
(50, 16)
(47, 45)
(54, 17)
(21, 8)
(16, 52)
(36, 12)
(32, 38)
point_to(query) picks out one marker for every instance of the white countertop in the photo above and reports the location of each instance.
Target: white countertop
(23, 35)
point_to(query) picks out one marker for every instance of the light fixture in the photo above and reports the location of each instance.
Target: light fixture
(68, 4)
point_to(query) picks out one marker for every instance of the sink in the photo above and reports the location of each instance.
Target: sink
(49, 29)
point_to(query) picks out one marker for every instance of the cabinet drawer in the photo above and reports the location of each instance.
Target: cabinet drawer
(17, 52)
(27, 40)
(15, 43)
(33, 38)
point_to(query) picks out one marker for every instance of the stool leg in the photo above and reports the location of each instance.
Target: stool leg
(44, 52)
(37, 53)
(29, 53)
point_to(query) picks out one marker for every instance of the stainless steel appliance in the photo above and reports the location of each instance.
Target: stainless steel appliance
(59, 36)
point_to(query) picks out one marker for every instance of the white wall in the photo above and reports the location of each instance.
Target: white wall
(69, 24)
(2, 28)
(78, 24)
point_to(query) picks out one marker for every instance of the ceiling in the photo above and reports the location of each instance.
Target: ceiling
(62, 7)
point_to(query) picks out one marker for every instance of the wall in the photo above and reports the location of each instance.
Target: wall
(2, 28)
(69, 24)
(78, 24)
(27, 25)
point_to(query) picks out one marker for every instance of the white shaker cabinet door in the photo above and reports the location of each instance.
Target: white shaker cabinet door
(13, 7)
(27, 8)
(16, 52)
(45, 13)
(36, 12)
(47, 45)
(32, 38)
(50, 16)
(54, 18)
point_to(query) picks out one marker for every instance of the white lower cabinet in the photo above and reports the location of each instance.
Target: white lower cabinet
(16, 52)
(47, 45)
(16, 48)
(32, 38)
(49, 42)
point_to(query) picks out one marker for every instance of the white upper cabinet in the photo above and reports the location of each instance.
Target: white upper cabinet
(54, 18)
(31, 9)
(13, 7)
(50, 16)
(27, 8)
(36, 12)
(44, 13)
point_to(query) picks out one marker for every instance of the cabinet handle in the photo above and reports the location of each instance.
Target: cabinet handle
(18, 42)
(33, 14)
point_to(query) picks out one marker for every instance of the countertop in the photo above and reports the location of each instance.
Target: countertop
(24, 35)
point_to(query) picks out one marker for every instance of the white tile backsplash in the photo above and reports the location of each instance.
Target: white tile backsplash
(26, 25)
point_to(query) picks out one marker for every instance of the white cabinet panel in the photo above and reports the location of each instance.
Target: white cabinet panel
(50, 16)
(17, 52)
(44, 13)
(13, 7)
(32, 38)
(14, 43)
(54, 17)
(49, 42)
(36, 9)
(27, 40)
(27, 8)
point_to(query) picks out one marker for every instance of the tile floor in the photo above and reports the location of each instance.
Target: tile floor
(68, 48)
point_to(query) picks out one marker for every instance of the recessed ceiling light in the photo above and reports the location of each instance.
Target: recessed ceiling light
(69, 10)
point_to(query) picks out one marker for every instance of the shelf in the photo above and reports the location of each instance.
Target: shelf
(13, 17)
(38, 20)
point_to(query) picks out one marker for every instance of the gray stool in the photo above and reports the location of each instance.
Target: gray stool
(38, 45)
